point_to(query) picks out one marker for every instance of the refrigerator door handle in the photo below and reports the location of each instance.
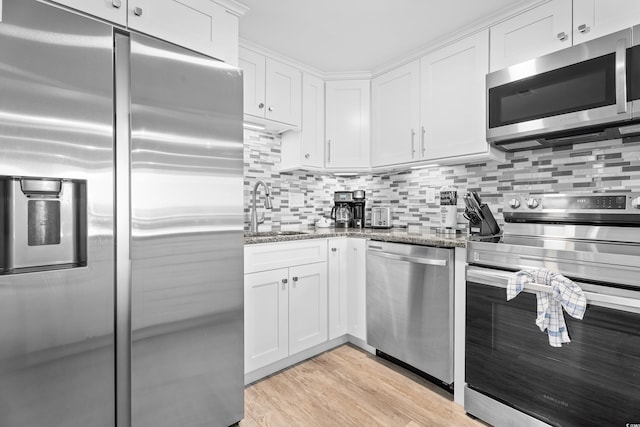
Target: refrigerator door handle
(123, 230)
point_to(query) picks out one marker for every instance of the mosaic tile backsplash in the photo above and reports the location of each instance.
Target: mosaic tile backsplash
(301, 198)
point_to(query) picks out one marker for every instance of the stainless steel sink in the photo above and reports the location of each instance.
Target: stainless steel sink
(273, 233)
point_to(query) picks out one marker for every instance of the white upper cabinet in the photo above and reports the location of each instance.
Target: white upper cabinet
(542, 30)
(595, 18)
(453, 99)
(396, 133)
(110, 10)
(272, 90)
(347, 124)
(305, 148)
(556, 25)
(201, 25)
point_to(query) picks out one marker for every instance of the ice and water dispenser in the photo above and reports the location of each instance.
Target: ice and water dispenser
(44, 224)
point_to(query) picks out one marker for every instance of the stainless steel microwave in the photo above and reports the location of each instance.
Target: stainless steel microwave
(588, 92)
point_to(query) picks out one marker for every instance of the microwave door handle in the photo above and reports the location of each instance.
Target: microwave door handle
(621, 76)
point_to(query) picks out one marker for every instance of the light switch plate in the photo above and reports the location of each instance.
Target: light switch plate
(296, 200)
(431, 195)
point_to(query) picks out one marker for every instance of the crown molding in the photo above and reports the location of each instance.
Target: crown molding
(280, 58)
(517, 8)
(234, 7)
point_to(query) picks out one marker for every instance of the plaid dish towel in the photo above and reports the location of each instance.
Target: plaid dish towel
(564, 293)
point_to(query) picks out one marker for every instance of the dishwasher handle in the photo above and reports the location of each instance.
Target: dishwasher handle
(415, 260)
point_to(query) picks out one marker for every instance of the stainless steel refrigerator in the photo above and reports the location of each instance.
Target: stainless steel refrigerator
(121, 296)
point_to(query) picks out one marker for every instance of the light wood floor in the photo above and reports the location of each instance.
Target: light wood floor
(349, 387)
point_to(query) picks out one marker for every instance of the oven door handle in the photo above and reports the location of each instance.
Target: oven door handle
(500, 279)
(415, 260)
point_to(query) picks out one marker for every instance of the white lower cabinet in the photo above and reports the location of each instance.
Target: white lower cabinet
(307, 306)
(302, 295)
(285, 308)
(338, 283)
(266, 317)
(356, 260)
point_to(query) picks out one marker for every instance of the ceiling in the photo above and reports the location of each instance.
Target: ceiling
(336, 36)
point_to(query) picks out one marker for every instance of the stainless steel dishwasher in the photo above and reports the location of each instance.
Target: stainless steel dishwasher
(410, 306)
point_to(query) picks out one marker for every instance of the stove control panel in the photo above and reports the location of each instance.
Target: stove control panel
(615, 208)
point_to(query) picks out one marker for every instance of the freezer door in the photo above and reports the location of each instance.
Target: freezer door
(187, 244)
(56, 121)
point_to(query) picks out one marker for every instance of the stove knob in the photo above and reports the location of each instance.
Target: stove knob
(532, 203)
(514, 203)
(635, 203)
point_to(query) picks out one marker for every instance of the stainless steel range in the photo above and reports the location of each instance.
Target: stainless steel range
(513, 375)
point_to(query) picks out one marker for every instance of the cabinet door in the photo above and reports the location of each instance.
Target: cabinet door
(199, 25)
(312, 121)
(347, 127)
(536, 32)
(305, 148)
(266, 329)
(595, 18)
(307, 306)
(338, 282)
(396, 136)
(253, 71)
(110, 10)
(283, 93)
(453, 98)
(357, 288)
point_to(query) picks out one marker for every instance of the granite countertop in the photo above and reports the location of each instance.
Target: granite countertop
(421, 236)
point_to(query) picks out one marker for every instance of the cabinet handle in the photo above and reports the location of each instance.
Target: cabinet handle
(295, 278)
(116, 3)
(562, 36)
(413, 148)
(261, 105)
(307, 156)
(270, 108)
(284, 284)
(137, 11)
(328, 151)
(583, 28)
(334, 249)
(422, 146)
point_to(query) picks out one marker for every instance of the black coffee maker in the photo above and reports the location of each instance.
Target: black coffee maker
(359, 202)
(342, 211)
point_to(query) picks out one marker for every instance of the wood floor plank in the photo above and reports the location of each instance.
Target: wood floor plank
(349, 387)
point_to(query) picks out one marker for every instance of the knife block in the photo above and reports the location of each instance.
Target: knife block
(488, 226)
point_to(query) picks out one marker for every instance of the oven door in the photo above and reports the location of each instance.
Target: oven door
(579, 87)
(592, 381)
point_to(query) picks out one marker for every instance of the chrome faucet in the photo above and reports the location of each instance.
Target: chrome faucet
(267, 204)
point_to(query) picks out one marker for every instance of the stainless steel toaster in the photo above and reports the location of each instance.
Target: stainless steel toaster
(380, 217)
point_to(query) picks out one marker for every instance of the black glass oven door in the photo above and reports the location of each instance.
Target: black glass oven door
(592, 381)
